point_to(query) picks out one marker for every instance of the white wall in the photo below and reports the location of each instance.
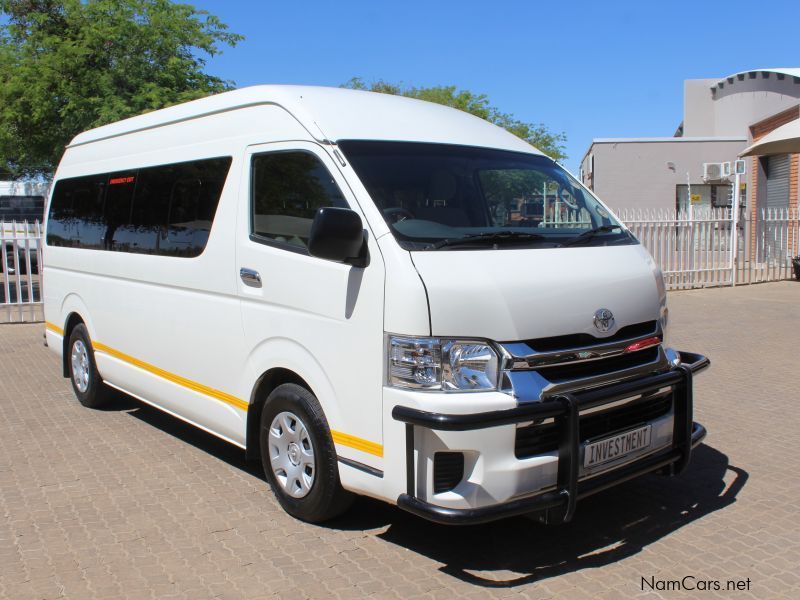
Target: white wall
(698, 108)
(729, 110)
(631, 173)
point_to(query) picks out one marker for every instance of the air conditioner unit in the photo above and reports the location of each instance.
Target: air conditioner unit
(713, 171)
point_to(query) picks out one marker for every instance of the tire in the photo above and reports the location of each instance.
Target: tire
(86, 381)
(304, 478)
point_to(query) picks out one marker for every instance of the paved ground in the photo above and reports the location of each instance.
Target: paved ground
(131, 503)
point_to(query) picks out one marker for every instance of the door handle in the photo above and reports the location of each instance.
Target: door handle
(250, 277)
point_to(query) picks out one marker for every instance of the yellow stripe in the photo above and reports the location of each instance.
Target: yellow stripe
(182, 381)
(340, 438)
(352, 441)
(54, 328)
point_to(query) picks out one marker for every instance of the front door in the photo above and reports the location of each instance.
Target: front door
(320, 319)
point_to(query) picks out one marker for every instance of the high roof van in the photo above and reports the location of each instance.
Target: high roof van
(372, 295)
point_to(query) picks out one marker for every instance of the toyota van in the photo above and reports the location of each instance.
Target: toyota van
(371, 295)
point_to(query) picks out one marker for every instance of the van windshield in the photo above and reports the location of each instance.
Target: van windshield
(447, 197)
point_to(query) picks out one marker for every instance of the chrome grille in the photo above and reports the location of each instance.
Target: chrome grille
(536, 368)
(595, 368)
(579, 340)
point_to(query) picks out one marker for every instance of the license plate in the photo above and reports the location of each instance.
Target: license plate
(617, 446)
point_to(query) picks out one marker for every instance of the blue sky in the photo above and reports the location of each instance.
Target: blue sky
(589, 69)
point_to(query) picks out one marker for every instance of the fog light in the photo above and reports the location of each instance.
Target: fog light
(448, 471)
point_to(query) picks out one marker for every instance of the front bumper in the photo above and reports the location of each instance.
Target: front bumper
(565, 408)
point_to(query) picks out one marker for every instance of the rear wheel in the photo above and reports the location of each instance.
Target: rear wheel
(299, 457)
(86, 381)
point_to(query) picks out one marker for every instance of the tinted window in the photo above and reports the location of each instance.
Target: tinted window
(192, 202)
(21, 208)
(165, 210)
(120, 228)
(76, 213)
(288, 189)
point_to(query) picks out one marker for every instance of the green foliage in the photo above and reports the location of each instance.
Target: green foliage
(538, 135)
(70, 65)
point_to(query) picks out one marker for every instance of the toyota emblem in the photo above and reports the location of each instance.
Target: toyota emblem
(603, 319)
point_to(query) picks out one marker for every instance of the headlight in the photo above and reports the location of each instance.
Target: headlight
(442, 364)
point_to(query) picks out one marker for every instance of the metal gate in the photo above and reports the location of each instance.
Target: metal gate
(20, 275)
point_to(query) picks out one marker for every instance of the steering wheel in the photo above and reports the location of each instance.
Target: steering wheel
(397, 214)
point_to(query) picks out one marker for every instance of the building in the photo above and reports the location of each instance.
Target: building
(721, 117)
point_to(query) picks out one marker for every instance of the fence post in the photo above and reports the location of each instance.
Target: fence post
(735, 228)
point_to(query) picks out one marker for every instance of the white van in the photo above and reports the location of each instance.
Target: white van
(373, 295)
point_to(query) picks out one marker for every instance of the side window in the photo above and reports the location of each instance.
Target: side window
(121, 232)
(173, 208)
(287, 190)
(164, 210)
(148, 212)
(76, 213)
(193, 193)
(21, 208)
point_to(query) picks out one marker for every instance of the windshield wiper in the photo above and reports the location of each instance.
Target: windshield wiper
(589, 234)
(494, 237)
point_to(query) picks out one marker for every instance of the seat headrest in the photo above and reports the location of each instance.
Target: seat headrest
(442, 186)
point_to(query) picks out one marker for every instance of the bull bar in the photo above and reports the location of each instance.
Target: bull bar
(559, 504)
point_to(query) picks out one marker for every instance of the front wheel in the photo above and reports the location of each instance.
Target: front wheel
(299, 457)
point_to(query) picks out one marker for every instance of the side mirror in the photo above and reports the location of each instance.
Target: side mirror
(338, 234)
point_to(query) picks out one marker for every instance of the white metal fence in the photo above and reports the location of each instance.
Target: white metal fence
(700, 249)
(20, 277)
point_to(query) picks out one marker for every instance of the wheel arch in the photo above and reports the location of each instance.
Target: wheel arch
(73, 320)
(280, 360)
(76, 312)
(268, 381)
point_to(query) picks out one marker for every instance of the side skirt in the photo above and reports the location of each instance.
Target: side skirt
(361, 467)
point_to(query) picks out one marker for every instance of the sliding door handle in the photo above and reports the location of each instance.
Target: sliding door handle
(250, 277)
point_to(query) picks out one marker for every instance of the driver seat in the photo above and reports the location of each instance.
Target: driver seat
(441, 206)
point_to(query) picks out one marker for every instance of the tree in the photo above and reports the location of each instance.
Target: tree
(538, 135)
(70, 65)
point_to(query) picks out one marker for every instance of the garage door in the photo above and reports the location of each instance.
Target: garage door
(778, 181)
